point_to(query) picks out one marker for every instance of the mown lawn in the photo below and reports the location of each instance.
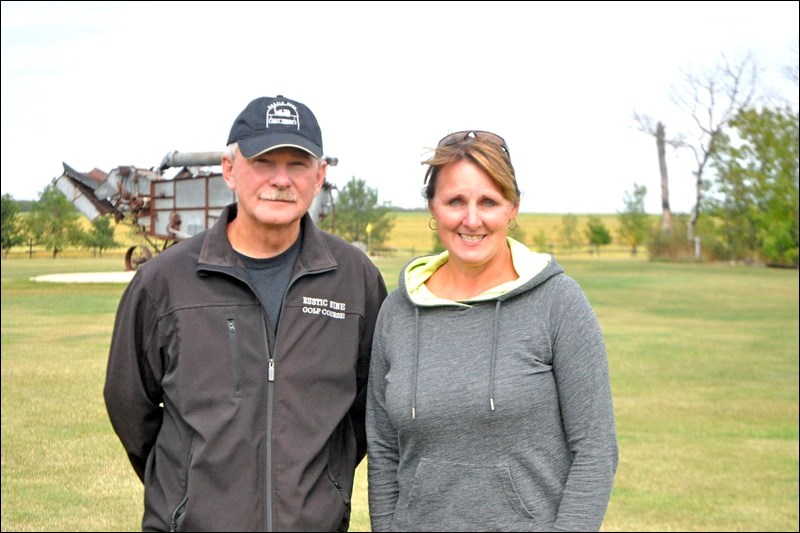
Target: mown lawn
(704, 363)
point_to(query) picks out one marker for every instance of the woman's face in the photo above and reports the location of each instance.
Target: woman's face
(472, 214)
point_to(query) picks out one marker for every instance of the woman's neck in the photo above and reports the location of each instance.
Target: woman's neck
(457, 281)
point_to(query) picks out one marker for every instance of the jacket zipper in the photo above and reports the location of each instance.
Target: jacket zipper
(270, 396)
(234, 349)
(271, 389)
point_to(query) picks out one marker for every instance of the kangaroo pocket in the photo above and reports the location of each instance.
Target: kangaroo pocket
(466, 497)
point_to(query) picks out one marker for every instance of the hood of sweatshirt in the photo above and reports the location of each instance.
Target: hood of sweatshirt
(533, 268)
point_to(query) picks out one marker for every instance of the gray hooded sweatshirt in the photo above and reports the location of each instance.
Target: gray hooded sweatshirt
(492, 414)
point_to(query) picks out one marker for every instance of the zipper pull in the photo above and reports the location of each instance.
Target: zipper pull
(271, 369)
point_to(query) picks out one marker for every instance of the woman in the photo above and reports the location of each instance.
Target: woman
(489, 404)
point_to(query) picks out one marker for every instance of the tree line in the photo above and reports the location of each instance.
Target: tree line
(53, 222)
(744, 142)
(745, 149)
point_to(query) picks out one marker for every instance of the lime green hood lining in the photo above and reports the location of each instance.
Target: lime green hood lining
(526, 262)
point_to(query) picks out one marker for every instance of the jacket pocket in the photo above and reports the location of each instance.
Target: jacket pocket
(344, 524)
(466, 497)
(178, 514)
(342, 465)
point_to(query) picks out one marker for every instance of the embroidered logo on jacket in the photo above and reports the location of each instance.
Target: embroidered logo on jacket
(323, 306)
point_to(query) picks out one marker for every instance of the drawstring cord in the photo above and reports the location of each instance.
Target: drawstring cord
(494, 354)
(416, 364)
(495, 333)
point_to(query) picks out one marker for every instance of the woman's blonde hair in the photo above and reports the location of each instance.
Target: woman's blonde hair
(484, 151)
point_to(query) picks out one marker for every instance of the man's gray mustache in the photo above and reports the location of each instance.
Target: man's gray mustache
(279, 196)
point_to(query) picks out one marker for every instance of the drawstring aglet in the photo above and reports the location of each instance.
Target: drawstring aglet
(491, 403)
(413, 413)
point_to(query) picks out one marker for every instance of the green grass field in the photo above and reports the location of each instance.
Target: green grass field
(704, 368)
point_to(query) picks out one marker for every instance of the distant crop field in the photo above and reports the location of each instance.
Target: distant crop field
(411, 234)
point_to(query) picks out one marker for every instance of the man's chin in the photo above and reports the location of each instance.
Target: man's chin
(280, 216)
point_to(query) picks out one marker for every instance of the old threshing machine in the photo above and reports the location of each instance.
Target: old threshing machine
(163, 210)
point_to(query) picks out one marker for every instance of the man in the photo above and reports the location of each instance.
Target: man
(239, 360)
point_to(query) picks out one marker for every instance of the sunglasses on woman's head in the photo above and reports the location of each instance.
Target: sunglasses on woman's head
(462, 136)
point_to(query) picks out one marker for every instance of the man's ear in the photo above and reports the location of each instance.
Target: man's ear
(322, 172)
(227, 171)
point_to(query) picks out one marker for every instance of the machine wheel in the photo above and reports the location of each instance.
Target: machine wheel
(136, 256)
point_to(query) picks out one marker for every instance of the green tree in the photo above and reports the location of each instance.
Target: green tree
(569, 231)
(540, 241)
(56, 220)
(356, 210)
(438, 247)
(32, 230)
(634, 225)
(101, 236)
(597, 233)
(518, 234)
(12, 227)
(757, 186)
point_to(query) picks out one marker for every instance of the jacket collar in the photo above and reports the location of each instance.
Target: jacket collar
(217, 253)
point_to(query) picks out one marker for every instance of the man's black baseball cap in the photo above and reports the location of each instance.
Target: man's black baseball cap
(268, 123)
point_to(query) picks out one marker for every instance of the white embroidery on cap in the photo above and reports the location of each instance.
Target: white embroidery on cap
(282, 114)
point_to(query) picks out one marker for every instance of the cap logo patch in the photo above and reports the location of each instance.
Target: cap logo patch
(282, 114)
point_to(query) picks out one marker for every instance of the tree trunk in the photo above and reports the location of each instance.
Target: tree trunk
(698, 187)
(666, 214)
(698, 184)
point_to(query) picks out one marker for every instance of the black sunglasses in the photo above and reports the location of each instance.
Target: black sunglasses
(462, 136)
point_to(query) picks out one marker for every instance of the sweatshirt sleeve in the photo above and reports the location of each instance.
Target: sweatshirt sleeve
(584, 393)
(132, 392)
(375, 297)
(383, 453)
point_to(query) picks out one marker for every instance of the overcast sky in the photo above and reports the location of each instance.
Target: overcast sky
(105, 84)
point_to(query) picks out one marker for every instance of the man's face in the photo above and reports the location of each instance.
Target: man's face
(276, 188)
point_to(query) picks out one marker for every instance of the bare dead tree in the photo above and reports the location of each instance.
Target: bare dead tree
(666, 213)
(712, 98)
(645, 124)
